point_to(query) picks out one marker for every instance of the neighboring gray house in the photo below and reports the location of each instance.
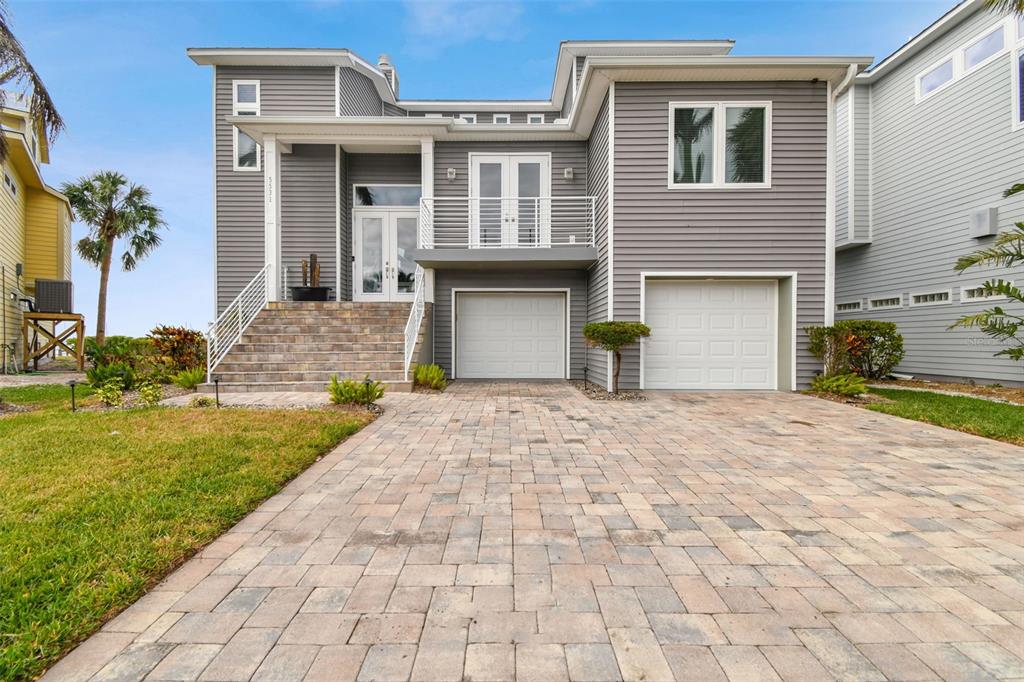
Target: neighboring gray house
(663, 181)
(926, 143)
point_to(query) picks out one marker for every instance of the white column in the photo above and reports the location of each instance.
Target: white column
(427, 190)
(272, 214)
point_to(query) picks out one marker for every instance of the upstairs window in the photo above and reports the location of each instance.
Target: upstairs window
(9, 183)
(934, 78)
(930, 298)
(502, 119)
(983, 48)
(468, 118)
(886, 302)
(719, 144)
(848, 307)
(978, 294)
(534, 119)
(245, 102)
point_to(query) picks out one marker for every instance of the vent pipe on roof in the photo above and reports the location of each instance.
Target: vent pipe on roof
(384, 64)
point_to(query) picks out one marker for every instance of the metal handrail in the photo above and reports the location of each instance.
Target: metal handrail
(412, 326)
(227, 329)
(506, 222)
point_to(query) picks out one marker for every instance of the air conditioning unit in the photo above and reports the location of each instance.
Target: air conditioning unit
(984, 222)
(53, 296)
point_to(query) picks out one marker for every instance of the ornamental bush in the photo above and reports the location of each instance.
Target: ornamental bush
(612, 336)
(350, 392)
(869, 348)
(430, 376)
(840, 384)
(179, 347)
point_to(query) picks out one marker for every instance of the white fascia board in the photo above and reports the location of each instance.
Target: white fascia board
(923, 39)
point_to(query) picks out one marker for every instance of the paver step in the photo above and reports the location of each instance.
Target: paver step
(298, 376)
(324, 328)
(397, 386)
(306, 350)
(316, 340)
(357, 355)
(371, 367)
(338, 305)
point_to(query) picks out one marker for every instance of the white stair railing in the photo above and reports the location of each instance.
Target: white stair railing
(227, 330)
(412, 326)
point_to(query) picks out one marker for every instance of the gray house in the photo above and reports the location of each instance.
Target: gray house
(668, 182)
(926, 143)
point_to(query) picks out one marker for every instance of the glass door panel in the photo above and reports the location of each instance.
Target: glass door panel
(370, 248)
(527, 216)
(490, 213)
(404, 242)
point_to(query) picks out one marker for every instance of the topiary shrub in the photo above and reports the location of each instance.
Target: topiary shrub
(841, 384)
(350, 392)
(612, 336)
(430, 376)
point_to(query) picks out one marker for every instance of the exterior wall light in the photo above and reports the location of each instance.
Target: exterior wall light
(450, 173)
(568, 173)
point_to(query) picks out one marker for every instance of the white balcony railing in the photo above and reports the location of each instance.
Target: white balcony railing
(506, 222)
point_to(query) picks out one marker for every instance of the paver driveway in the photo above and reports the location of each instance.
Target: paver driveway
(521, 530)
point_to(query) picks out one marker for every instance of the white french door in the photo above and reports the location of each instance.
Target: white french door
(510, 196)
(383, 242)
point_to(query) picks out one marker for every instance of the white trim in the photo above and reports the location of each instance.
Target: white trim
(272, 216)
(249, 108)
(338, 265)
(566, 316)
(1016, 114)
(830, 203)
(948, 301)
(337, 92)
(958, 56)
(508, 168)
(610, 236)
(467, 118)
(883, 297)
(531, 122)
(983, 299)
(730, 275)
(495, 121)
(851, 164)
(389, 216)
(858, 302)
(213, 137)
(719, 134)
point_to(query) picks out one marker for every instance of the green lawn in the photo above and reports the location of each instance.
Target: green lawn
(1000, 421)
(95, 507)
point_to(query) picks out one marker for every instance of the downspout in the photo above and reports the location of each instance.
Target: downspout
(851, 73)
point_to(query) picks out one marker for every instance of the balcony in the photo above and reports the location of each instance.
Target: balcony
(506, 232)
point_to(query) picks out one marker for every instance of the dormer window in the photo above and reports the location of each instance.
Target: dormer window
(245, 101)
(534, 119)
(502, 119)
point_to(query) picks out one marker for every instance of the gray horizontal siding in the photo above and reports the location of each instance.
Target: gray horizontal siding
(580, 61)
(842, 176)
(345, 228)
(932, 163)
(563, 155)
(574, 280)
(597, 288)
(239, 194)
(861, 138)
(394, 110)
(357, 95)
(308, 194)
(780, 229)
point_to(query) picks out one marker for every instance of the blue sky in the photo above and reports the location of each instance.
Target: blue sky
(134, 103)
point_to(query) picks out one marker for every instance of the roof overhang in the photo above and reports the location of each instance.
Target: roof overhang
(19, 156)
(946, 22)
(256, 56)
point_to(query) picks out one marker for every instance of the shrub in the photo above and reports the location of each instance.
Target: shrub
(202, 401)
(612, 336)
(841, 384)
(150, 393)
(350, 392)
(874, 348)
(179, 348)
(431, 376)
(101, 374)
(111, 392)
(190, 378)
(125, 349)
(870, 348)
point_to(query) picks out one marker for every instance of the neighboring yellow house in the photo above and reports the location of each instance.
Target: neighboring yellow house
(35, 220)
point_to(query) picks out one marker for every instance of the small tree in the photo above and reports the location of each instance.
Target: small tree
(1007, 251)
(612, 336)
(114, 210)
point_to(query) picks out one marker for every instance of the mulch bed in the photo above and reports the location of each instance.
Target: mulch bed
(7, 408)
(1011, 394)
(131, 400)
(595, 392)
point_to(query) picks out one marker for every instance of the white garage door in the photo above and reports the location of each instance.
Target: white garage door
(509, 335)
(710, 334)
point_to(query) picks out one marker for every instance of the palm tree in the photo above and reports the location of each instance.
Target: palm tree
(17, 71)
(114, 210)
(1013, 6)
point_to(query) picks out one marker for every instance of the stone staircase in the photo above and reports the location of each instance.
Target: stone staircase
(299, 346)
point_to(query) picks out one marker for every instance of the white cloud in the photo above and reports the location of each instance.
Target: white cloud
(434, 26)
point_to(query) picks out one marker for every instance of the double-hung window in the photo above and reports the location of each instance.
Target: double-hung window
(245, 101)
(719, 145)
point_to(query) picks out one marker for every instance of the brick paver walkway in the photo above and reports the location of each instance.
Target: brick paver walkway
(520, 530)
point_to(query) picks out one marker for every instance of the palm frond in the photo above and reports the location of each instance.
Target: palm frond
(1015, 189)
(1013, 6)
(1006, 250)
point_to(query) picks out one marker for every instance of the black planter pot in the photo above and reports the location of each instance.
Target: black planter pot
(309, 293)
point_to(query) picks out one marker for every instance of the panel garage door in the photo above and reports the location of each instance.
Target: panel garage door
(509, 335)
(711, 334)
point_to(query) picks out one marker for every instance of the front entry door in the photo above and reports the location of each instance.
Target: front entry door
(384, 269)
(511, 193)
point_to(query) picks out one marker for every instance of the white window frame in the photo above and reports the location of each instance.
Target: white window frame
(1010, 28)
(948, 301)
(872, 299)
(238, 108)
(507, 121)
(1016, 53)
(718, 133)
(858, 303)
(531, 119)
(983, 299)
(467, 118)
